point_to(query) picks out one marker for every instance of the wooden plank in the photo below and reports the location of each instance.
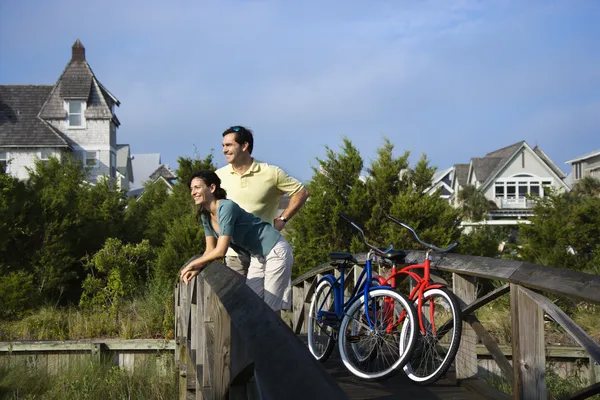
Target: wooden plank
(529, 360)
(242, 367)
(585, 392)
(558, 315)
(466, 358)
(287, 369)
(492, 347)
(483, 389)
(200, 338)
(298, 308)
(218, 346)
(207, 330)
(85, 345)
(488, 298)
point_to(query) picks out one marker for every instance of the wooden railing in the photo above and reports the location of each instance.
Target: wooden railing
(527, 307)
(230, 345)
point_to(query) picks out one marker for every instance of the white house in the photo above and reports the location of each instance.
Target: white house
(76, 115)
(508, 176)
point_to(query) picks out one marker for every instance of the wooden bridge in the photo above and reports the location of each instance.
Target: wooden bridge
(230, 345)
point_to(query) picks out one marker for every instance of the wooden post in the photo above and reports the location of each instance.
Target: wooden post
(306, 307)
(529, 358)
(466, 359)
(198, 338)
(298, 305)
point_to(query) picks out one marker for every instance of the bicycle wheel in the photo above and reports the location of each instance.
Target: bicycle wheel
(372, 351)
(320, 335)
(437, 346)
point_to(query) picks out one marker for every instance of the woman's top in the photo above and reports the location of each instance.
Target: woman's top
(247, 231)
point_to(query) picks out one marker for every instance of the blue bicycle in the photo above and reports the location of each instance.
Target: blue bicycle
(369, 326)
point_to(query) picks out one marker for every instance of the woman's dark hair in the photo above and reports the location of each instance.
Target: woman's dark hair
(209, 178)
(242, 135)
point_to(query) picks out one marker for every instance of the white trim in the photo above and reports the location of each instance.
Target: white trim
(496, 222)
(584, 157)
(83, 103)
(96, 159)
(48, 154)
(100, 147)
(6, 160)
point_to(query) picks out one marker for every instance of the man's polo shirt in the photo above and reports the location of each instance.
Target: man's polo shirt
(258, 190)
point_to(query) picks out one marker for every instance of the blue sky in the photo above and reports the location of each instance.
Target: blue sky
(453, 79)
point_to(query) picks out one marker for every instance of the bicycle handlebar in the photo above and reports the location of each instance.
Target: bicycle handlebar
(362, 234)
(431, 246)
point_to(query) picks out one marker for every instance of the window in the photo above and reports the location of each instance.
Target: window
(511, 190)
(45, 154)
(534, 188)
(113, 165)
(578, 171)
(75, 110)
(499, 189)
(91, 158)
(3, 161)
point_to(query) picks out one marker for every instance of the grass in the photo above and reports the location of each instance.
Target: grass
(89, 380)
(149, 316)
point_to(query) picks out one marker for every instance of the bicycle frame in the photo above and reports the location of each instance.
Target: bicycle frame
(423, 284)
(337, 284)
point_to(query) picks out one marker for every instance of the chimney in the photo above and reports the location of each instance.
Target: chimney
(78, 51)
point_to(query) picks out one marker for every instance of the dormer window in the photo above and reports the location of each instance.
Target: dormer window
(75, 109)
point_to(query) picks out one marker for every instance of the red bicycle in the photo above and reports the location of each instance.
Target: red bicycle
(438, 313)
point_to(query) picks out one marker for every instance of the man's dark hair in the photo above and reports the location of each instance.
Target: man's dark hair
(242, 135)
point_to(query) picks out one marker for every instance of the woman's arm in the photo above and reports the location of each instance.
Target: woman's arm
(215, 249)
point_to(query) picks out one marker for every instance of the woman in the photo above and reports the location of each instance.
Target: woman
(227, 224)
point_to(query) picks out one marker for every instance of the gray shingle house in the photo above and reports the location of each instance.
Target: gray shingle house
(75, 115)
(585, 165)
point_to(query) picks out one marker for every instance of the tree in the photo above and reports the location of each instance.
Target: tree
(421, 175)
(587, 186)
(564, 232)
(383, 185)
(473, 203)
(335, 187)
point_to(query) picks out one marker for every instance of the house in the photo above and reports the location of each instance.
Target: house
(508, 176)
(74, 116)
(442, 181)
(149, 168)
(585, 165)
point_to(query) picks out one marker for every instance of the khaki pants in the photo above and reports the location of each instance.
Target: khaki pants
(239, 263)
(271, 277)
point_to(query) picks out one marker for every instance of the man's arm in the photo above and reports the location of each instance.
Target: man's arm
(297, 200)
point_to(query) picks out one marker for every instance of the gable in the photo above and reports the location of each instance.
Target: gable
(527, 162)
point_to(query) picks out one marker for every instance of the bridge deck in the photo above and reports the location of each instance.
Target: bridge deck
(394, 388)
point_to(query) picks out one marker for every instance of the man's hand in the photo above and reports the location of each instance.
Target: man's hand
(188, 273)
(278, 224)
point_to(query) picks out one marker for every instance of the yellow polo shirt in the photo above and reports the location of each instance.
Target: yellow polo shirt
(258, 190)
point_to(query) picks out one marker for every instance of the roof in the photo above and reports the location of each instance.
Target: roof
(143, 166)
(584, 157)
(485, 167)
(549, 163)
(164, 171)
(79, 82)
(439, 175)
(124, 161)
(461, 173)
(20, 125)
(506, 151)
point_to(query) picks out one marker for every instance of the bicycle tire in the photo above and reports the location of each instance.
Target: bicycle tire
(415, 368)
(321, 351)
(379, 362)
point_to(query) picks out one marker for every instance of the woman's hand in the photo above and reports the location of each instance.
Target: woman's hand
(189, 272)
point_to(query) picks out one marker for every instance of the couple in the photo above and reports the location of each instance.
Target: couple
(247, 223)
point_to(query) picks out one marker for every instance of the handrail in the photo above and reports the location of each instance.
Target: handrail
(560, 281)
(226, 333)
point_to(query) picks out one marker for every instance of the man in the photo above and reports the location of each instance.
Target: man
(257, 187)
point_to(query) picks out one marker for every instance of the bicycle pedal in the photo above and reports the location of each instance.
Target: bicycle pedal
(328, 317)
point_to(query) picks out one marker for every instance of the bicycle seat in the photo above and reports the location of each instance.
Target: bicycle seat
(396, 256)
(342, 256)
